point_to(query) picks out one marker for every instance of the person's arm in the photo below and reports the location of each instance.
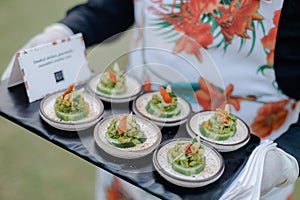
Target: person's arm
(287, 69)
(98, 20)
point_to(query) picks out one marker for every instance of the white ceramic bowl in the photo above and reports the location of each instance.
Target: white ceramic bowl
(213, 170)
(139, 108)
(151, 131)
(47, 113)
(235, 142)
(133, 88)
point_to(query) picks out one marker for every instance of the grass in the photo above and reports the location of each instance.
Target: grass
(32, 168)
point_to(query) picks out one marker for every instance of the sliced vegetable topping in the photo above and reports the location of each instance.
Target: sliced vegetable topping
(112, 81)
(147, 84)
(187, 157)
(71, 106)
(68, 90)
(221, 126)
(122, 125)
(165, 95)
(187, 149)
(164, 104)
(125, 132)
(112, 76)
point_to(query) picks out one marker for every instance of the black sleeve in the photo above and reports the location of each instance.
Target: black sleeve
(287, 69)
(287, 51)
(98, 20)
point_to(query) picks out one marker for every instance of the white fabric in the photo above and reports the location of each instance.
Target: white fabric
(283, 165)
(247, 185)
(152, 54)
(51, 33)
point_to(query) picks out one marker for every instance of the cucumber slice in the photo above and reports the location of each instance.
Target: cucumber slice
(208, 134)
(71, 117)
(186, 171)
(154, 110)
(115, 142)
(110, 91)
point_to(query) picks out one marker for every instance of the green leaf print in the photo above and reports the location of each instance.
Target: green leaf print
(262, 69)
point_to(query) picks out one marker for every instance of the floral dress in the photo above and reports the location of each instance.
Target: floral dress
(215, 52)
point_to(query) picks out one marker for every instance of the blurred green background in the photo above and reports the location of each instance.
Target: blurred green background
(30, 167)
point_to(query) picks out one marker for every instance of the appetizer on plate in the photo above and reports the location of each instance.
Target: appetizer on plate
(112, 81)
(71, 106)
(125, 132)
(187, 158)
(164, 104)
(221, 126)
(187, 162)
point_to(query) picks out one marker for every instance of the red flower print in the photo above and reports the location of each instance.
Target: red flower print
(193, 39)
(147, 84)
(269, 117)
(289, 197)
(187, 20)
(237, 17)
(199, 7)
(210, 97)
(190, 46)
(195, 19)
(270, 58)
(269, 40)
(160, 2)
(116, 191)
(276, 17)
